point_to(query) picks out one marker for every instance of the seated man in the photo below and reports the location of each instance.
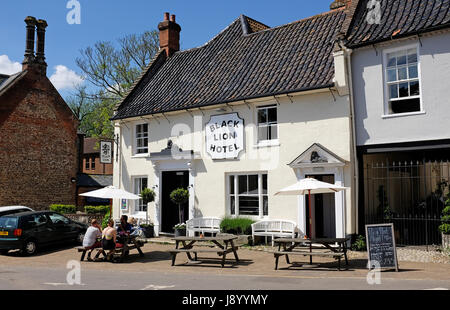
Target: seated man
(90, 238)
(124, 227)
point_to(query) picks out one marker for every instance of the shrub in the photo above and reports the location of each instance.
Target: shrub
(96, 209)
(359, 244)
(105, 219)
(445, 219)
(148, 195)
(238, 225)
(63, 209)
(180, 196)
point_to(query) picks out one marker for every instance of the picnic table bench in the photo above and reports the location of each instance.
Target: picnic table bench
(120, 252)
(326, 250)
(221, 249)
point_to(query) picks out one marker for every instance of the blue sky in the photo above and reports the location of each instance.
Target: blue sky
(200, 20)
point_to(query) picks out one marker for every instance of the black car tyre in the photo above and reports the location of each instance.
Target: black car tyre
(4, 252)
(30, 247)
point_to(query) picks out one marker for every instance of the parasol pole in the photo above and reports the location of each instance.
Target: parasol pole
(110, 208)
(310, 214)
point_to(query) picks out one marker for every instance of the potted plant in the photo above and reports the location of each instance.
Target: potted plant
(180, 196)
(148, 230)
(180, 230)
(445, 226)
(147, 195)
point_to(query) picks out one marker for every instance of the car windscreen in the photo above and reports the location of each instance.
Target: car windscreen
(7, 222)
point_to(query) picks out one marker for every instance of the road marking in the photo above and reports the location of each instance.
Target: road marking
(156, 287)
(59, 284)
(437, 289)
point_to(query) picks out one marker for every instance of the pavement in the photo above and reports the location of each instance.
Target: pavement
(51, 267)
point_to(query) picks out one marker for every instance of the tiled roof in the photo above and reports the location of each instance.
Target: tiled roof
(399, 18)
(94, 180)
(235, 66)
(7, 81)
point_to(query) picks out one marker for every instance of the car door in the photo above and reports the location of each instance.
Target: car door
(61, 227)
(36, 226)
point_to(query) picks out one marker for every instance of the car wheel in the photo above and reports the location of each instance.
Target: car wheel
(30, 247)
(4, 252)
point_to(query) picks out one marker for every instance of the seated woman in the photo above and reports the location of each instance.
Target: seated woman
(109, 236)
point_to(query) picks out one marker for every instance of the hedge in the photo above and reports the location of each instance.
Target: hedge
(96, 209)
(238, 225)
(63, 209)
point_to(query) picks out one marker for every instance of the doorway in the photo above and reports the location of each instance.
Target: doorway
(323, 211)
(169, 211)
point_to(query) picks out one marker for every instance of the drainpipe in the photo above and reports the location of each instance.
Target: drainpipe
(348, 53)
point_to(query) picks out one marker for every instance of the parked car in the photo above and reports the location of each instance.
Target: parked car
(28, 231)
(13, 209)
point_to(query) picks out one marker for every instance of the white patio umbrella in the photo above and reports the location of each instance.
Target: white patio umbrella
(310, 186)
(111, 192)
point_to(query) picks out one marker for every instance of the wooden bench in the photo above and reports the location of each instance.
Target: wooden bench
(219, 252)
(335, 255)
(203, 225)
(273, 228)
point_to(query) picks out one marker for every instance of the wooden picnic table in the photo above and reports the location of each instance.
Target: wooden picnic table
(328, 244)
(223, 246)
(129, 243)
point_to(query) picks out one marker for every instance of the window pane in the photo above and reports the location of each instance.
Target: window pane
(403, 90)
(414, 88)
(242, 184)
(412, 70)
(393, 91)
(273, 132)
(272, 117)
(263, 133)
(401, 58)
(231, 184)
(402, 74)
(232, 205)
(248, 205)
(392, 75)
(253, 184)
(412, 55)
(262, 116)
(265, 205)
(404, 106)
(392, 60)
(145, 128)
(264, 184)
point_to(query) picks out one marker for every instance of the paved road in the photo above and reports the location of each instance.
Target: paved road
(42, 278)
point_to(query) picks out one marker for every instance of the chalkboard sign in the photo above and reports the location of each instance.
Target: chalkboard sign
(381, 246)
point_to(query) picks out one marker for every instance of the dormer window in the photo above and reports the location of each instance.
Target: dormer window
(402, 81)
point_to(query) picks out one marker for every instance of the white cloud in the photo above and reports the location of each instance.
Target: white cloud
(8, 66)
(64, 78)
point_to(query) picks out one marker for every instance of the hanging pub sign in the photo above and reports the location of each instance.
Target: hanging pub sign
(224, 136)
(105, 152)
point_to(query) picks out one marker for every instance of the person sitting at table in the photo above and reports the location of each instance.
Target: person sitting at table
(90, 237)
(109, 236)
(124, 226)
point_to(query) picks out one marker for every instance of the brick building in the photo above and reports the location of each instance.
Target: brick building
(38, 133)
(93, 174)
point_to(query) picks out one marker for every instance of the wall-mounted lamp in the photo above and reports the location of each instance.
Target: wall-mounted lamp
(191, 186)
(154, 186)
(73, 180)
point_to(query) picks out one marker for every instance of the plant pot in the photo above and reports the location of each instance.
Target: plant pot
(180, 232)
(149, 231)
(445, 240)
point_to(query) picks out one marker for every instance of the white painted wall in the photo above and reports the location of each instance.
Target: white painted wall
(313, 118)
(432, 124)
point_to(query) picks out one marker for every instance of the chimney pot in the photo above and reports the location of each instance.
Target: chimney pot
(172, 18)
(40, 46)
(166, 16)
(29, 46)
(169, 35)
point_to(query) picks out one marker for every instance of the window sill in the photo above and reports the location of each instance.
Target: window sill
(267, 143)
(403, 114)
(140, 155)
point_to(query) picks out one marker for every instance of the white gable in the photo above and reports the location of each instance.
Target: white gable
(317, 156)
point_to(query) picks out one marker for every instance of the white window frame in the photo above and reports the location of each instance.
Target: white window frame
(135, 139)
(236, 195)
(270, 142)
(386, 113)
(138, 203)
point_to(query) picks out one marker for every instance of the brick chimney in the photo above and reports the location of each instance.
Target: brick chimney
(169, 35)
(29, 44)
(336, 4)
(40, 46)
